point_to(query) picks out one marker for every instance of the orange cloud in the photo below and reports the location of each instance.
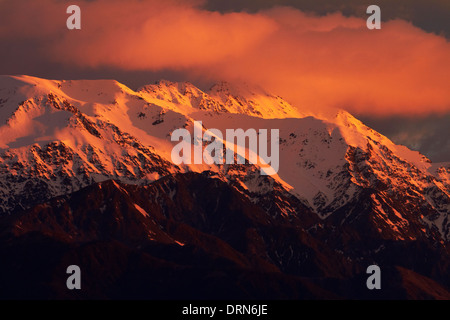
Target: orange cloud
(314, 62)
(152, 36)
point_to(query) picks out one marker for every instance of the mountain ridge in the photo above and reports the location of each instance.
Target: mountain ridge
(74, 133)
(170, 240)
(86, 175)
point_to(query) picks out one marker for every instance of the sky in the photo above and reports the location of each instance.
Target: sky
(316, 54)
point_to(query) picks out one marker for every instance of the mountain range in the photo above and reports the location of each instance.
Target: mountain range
(86, 178)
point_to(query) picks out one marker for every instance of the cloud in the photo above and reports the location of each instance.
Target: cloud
(430, 15)
(313, 61)
(427, 134)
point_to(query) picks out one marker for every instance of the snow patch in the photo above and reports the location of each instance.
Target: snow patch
(142, 211)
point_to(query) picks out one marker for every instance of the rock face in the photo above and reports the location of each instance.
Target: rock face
(86, 178)
(194, 236)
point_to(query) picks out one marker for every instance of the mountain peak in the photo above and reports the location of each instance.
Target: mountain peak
(222, 97)
(342, 189)
(252, 100)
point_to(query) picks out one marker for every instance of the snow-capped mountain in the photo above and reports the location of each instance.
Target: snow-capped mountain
(221, 97)
(339, 183)
(60, 136)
